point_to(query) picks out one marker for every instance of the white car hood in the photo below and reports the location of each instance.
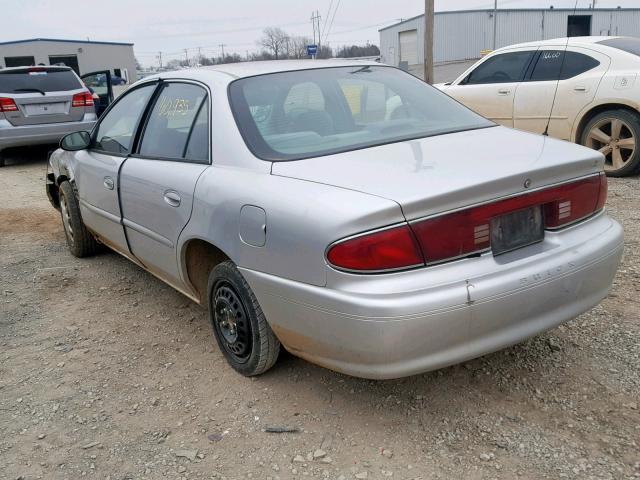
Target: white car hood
(437, 174)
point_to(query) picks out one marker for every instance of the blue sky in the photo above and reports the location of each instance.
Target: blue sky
(171, 26)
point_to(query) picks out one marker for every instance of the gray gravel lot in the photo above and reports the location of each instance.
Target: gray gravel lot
(107, 373)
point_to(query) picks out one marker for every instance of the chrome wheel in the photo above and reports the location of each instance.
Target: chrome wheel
(66, 219)
(232, 323)
(615, 139)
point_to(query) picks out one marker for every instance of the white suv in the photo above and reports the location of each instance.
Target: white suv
(41, 104)
(596, 102)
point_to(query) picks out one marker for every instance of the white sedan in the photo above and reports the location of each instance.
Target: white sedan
(596, 102)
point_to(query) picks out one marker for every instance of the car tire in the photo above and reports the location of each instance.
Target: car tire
(1, 159)
(616, 134)
(239, 325)
(81, 242)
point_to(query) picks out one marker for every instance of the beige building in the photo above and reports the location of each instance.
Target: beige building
(83, 56)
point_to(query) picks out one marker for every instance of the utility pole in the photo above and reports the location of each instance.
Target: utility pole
(199, 55)
(428, 41)
(319, 31)
(315, 17)
(186, 56)
(495, 22)
(222, 45)
(160, 59)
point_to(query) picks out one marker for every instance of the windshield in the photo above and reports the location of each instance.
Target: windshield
(310, 113)
(38, 80)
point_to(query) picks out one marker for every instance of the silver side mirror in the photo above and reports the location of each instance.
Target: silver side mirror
(76, 141)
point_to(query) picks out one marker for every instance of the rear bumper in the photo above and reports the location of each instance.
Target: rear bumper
(20, 136)
(394, 334)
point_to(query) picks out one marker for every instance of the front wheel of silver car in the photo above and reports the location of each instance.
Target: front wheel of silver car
(239, 325)
(80, 241)
(615, 134)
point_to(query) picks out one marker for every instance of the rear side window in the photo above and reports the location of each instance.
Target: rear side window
(551, 62)
(198, 145)
(115, 131)
(503, 68)
(172, 121)
(21, 81)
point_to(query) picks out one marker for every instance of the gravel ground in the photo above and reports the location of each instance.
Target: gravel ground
(107, 373)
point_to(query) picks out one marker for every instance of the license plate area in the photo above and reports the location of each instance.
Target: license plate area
(35, 109)
(516, 230)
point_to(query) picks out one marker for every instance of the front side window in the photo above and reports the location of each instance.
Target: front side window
(116, 129)
(309, 113)
(560, 65)
(502, 68)
(171, 120)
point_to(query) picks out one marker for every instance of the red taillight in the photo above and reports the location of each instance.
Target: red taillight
(384, 250)
(574, 201)
(468, 231)
(83, 99)
(464, 232)
(8, 105)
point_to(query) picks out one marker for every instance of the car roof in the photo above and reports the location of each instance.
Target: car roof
(250, 69)
(571, 41)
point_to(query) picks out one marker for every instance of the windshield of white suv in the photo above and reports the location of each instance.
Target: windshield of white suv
(36, 79)
(310, 113)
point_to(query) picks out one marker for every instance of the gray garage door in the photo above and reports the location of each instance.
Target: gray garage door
(409, 47)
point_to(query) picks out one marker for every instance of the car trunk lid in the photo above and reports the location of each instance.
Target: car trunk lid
(437, 174)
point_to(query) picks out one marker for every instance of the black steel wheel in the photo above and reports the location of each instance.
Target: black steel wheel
(239, 325)
(80, 241)
(231, 322)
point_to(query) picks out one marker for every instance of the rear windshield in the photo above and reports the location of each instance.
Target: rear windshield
(626, 44)
(21, 81)
(310, 113)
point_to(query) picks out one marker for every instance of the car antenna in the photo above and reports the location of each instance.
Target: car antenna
(555, 94)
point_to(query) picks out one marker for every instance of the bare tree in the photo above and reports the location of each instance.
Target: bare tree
(275, 40)
(298, 48)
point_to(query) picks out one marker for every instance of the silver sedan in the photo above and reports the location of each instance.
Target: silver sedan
(347, 211)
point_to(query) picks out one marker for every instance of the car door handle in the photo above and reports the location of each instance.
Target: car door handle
(580, 88)
(108, 183)
(504, 91)
(172, 198)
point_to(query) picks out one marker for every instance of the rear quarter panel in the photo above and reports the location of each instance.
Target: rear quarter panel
(302, 219)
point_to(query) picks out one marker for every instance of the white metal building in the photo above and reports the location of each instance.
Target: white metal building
(83, 56)
(462, 35)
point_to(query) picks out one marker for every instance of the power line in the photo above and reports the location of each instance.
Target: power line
(332, 19)
(324, 27)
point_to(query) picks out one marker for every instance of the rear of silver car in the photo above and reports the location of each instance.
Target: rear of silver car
(39, 105)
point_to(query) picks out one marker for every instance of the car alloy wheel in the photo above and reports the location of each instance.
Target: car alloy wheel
(615, 139)
(232, 323)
